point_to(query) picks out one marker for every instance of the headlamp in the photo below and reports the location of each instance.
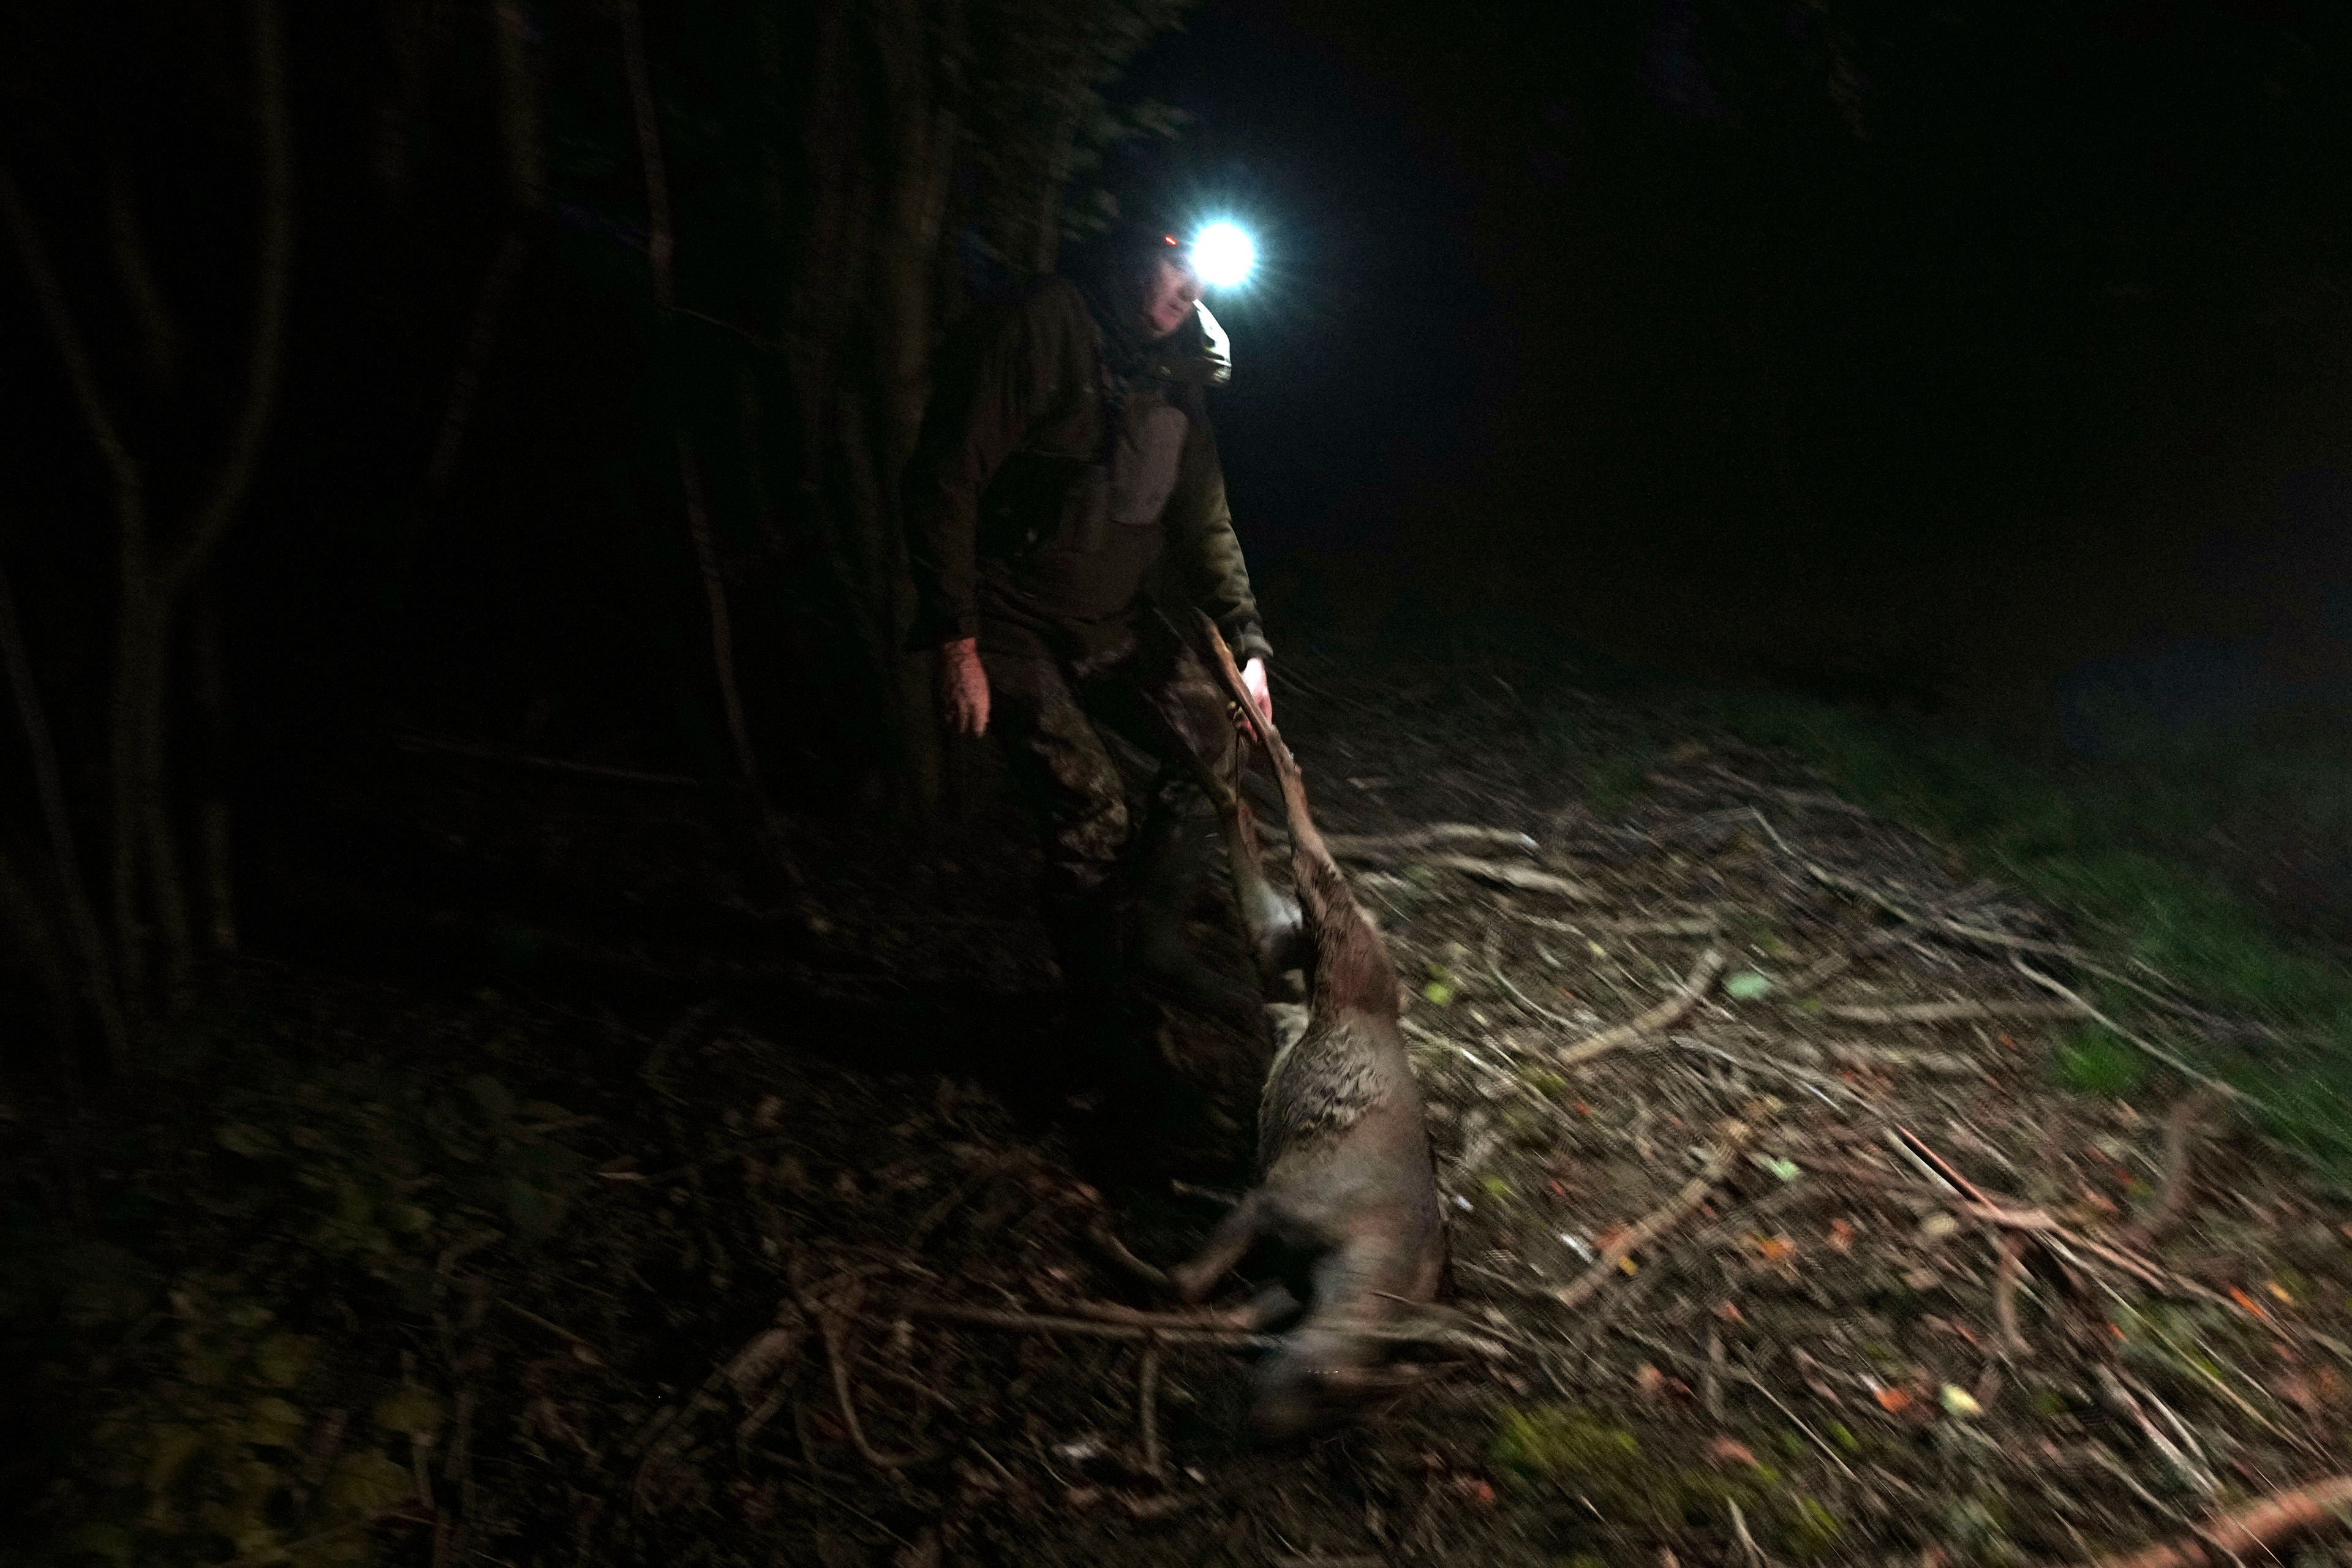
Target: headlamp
(1223, 255)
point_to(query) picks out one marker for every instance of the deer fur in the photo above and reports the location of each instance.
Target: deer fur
(1343, 1154)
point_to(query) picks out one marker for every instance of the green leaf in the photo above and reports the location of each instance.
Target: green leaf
(1747, 986)
(1437, 993)
(1786, 1169)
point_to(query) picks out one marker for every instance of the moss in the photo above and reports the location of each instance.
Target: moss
(1843, 1436)
(2097, 1063)
(1808, 1530)
(1585, 1454)
(1559, 1442)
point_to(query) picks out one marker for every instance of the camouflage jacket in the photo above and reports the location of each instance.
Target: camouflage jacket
(1051, 501)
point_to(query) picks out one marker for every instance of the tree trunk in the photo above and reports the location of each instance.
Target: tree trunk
(661, 246)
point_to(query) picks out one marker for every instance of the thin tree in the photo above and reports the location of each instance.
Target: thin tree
(155, 570)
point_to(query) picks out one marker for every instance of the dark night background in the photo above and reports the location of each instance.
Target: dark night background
(1931, 354)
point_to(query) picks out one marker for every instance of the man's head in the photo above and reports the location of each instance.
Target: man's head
(1141, 277)
(1171, 289)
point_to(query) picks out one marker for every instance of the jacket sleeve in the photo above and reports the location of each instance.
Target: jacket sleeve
(978, 413)
(1208, 569)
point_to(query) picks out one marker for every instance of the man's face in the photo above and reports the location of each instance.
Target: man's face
(1169, 294)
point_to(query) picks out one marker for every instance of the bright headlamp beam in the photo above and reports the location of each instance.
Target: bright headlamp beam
(1223, 255)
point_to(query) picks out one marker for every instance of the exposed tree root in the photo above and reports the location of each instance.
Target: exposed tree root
(2250, 1530)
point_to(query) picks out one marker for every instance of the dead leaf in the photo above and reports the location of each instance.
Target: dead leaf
(1842, 1234)
(2253, 1308)
(2278, 1291)
(1894, 1401)
(1773, 1249)
(1729, 1312)
(1649, 1380)
(1730, 1453)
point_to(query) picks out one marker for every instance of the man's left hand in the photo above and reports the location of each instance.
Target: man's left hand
(1253, 682)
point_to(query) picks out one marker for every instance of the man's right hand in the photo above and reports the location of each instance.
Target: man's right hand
(963, 687)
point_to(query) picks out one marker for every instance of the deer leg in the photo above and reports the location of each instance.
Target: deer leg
(1234, 1236)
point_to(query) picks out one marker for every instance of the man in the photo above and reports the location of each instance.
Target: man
(1065, 498)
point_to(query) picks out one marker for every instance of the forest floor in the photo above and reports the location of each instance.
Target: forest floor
(559, 1195)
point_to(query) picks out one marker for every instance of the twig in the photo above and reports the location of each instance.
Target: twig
(1665, 1016)
(1510, 876)
(2228, 1091)
(1946, 1012)
(1681, 1206)
(1748, 1547)
(833, 1327)
(2180, 1141)
(2034, 1222)
(1896, 1141)
(1108, 1243)
(1082, 1328)
(556, 1328)
(2005, 1282)
(1386, 845)
(1911, 1143)
(1837, 963)
(1244, 1318)
(2125, 1404)
(1147, 1403)
(2248, 1530)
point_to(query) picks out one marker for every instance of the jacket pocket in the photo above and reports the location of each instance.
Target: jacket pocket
(1145, 462)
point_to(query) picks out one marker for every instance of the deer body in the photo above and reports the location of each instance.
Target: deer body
(1343, 1153)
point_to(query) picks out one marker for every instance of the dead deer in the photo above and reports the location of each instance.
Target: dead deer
(1343, 1155)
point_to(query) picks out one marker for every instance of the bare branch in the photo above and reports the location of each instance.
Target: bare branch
(273, 279)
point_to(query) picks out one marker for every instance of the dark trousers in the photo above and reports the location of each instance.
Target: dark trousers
(1154, 693)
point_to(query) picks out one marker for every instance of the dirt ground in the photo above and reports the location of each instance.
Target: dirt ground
(784, 1249)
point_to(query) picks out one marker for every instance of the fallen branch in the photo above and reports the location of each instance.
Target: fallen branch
(2243, 1533)
(1246, 1318)
(1948, 1012)
(1389, 846)
(1892, 1059)
(1656, 1224)
(1509, 876)
(1665, 1016)
(2034, 1222)
(1146, 1407)
(1083, 1328)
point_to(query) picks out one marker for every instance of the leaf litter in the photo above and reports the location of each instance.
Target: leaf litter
(1776, 1235)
